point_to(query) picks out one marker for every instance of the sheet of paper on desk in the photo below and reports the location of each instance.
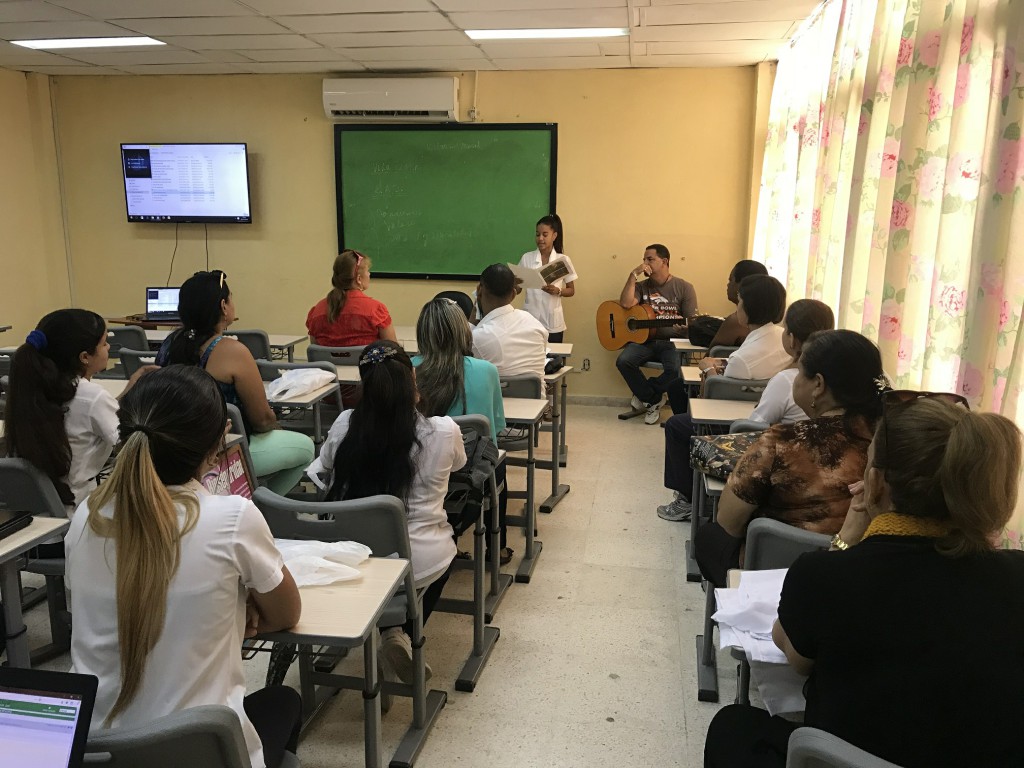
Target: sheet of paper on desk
(531, 278)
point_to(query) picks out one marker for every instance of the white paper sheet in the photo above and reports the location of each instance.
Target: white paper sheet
(531, 277)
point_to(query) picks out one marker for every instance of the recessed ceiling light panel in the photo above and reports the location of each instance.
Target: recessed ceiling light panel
(86, 42)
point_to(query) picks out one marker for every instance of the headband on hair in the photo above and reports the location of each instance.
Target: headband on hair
(882, 384)
(377, 355)
(36, 339)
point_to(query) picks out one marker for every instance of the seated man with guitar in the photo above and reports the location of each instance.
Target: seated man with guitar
(666, 302)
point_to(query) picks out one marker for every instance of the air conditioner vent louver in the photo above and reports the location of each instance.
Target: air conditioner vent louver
(392, 99)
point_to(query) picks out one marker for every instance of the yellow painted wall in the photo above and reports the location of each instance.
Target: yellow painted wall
(644, 156)
(32, 257)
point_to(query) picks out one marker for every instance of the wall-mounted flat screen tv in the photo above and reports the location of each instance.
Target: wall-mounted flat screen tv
(186, 183)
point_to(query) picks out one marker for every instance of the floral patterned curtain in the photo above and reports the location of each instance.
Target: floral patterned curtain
(892, 186)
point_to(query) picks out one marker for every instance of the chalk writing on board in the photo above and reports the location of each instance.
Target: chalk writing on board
(381, 191)
(406, 167)
(458, 146)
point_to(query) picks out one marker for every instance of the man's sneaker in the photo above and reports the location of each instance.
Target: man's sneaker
(637, 404)
(653, 415)
(679, 511)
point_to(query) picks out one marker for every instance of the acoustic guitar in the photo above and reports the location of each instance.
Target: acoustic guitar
(616, 326)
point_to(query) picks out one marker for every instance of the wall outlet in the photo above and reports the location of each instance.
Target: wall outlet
(586, 363)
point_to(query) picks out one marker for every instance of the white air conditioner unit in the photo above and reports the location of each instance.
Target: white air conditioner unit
(392, 99)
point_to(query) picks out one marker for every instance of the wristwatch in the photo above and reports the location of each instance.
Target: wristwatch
(838, 543)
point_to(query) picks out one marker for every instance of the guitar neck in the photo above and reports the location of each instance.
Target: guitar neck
(657, 323)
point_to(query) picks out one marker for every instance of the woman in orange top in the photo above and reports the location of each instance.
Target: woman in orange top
(347, 317)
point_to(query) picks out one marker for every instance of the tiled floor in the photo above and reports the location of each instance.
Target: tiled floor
(595, 663)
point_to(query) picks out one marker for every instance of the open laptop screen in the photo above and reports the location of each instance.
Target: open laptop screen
(42, 727)
(162, 301)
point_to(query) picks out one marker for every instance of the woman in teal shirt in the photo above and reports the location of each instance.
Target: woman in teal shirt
(451, 382)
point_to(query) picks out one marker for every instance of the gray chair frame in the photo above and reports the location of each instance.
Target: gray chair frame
(256, 341)
(379, 522)
(484, 637)
(729, 388)
(772, 544)
(24, 487)
(334, 355)
(721, 350)
(814, 748)
(122, 337)
(525, 385)
(747, 425)
(134, 359)
(208, 736)
(238, 428)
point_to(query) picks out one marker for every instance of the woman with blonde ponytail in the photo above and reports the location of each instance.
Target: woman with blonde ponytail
(166, 579)
(347, 317)
(911, 628)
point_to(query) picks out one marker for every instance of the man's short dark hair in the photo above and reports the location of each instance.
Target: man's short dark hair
(764, 299)
(746, 268)
(659, 249)
(498, 280)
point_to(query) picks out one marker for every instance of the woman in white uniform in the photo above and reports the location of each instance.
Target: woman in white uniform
(545, 303)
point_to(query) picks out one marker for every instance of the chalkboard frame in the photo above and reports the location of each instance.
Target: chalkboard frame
(341, 129)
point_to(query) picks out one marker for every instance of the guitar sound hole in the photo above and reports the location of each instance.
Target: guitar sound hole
(611, 325)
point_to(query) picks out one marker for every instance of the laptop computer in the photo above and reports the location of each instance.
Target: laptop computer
(161, 304)
(11, 521)
(45, 716)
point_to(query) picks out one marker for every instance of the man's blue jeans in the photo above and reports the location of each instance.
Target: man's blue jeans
(635, 355)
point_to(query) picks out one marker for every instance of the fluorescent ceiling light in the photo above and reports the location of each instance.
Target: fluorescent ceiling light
(545, 34)
(86, 42)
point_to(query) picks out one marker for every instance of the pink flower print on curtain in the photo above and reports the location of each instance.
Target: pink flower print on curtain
(963, 84)
(967, 36)
(890, 157)
(931, 178)
(934, 102)
(889, 325)
(953, 300)
(901, 213)
(906, 52)
(971, 382)
(1011, 169)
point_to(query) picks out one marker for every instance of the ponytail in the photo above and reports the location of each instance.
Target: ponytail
(43, 379)
(555, 222)
(170, 421)
(343, 279)
(946, 463)
(199, 306)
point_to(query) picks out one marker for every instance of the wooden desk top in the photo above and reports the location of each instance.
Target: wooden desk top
(704, 411)
(523, 411)
(348, 374)
(684, 345)
(690, 374)
(38, 531)
(345, 613)
(113, 386)
(563, 349)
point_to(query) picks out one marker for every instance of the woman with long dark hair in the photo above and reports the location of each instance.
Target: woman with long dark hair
(166, 579)
(207, 308)
(56, 417)
(385, 446)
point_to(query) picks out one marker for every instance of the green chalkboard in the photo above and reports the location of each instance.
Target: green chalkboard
(442, 201)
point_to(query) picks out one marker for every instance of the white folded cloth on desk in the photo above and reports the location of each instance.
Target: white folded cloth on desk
(313, 563)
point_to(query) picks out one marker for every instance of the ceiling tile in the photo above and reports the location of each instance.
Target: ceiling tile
(606, 17)
(379, 39)
(685, 32)
(433, 53)
(146, 9)
(321, 67)
(227, 57)
(233, 42)
(186, 69)
(365, 22)
(566, 62)
(459, 65)
(719, 12)
(35, 30)
(758, 48)
(522, 49)
(204, 25)
(697, 60)
(326, 7)
(19, 55)
(296, 55)
(74, 70)
(24, 10)
(122, 59)
(526, 5)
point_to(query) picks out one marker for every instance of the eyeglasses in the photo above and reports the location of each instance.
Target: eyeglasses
(898, 396)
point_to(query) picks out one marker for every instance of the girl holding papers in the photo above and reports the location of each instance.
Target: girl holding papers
(545, 303)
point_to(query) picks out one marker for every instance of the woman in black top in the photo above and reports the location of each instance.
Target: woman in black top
(913, 634)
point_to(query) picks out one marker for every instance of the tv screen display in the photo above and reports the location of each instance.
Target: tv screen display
(186, 183)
